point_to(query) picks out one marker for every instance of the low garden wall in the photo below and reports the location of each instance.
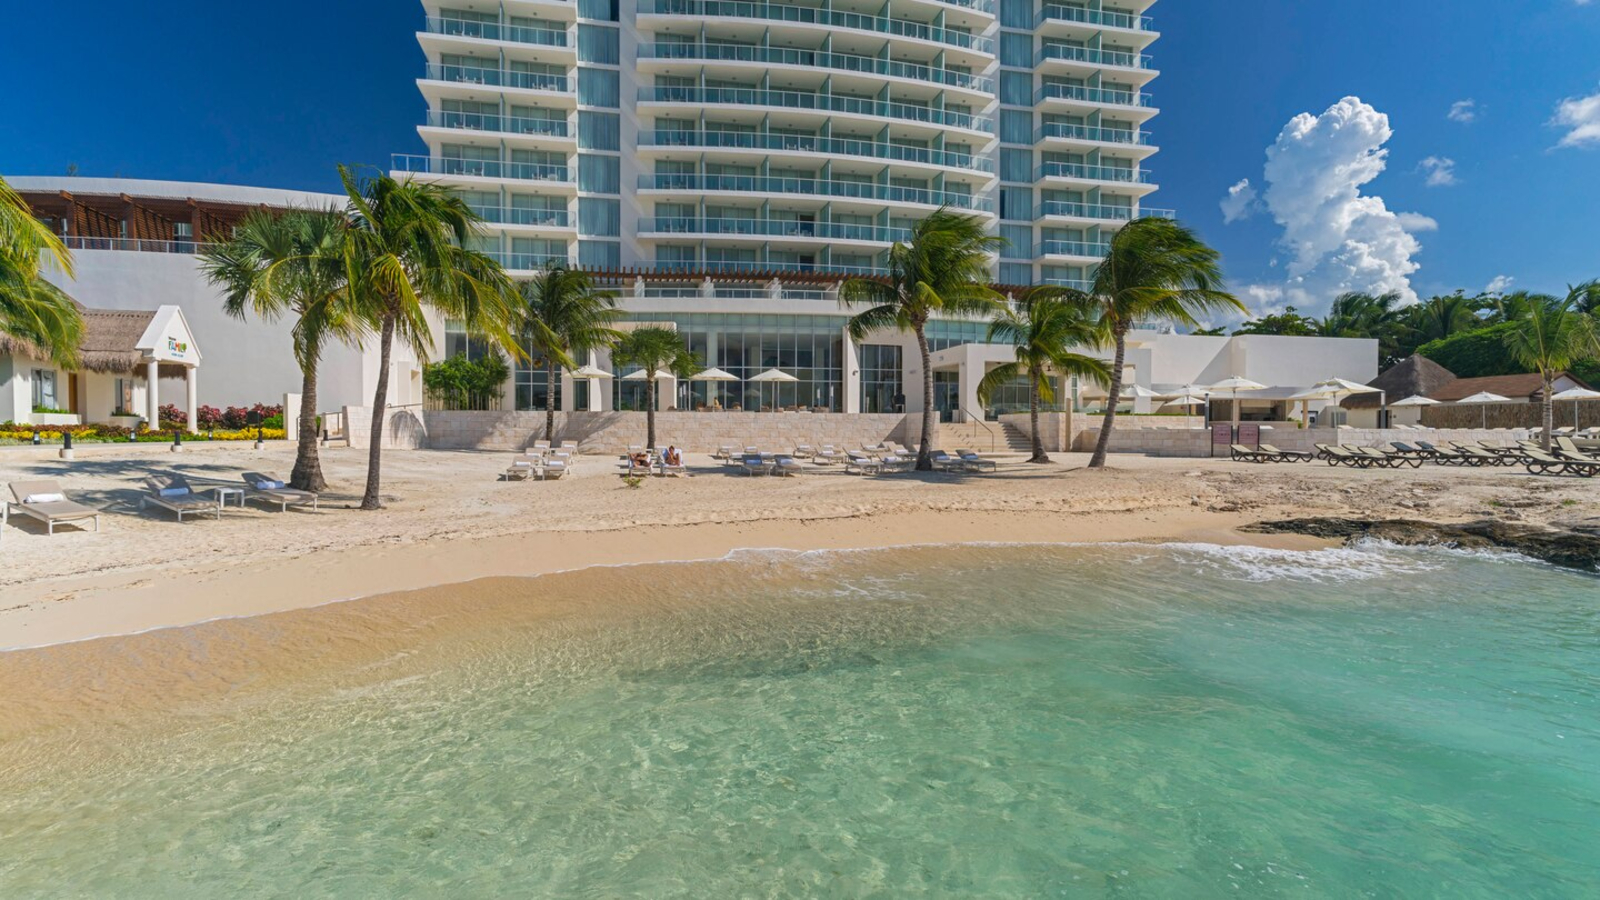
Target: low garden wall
(1196, 442)
(1511, 415)
(613, 432)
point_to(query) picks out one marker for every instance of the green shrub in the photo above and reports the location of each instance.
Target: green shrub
(1475, 354)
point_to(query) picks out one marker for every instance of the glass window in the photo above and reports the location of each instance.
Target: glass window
(1016, 14)
(604, 10)
(599, 131)
(1016, 273)
(1016, 50)
(1016, 88)
(44, 389)
(599, 87)
(1016, 204)
(1019, 242)
(882, 379)
(599, 217)
(1016, 127)
(600, 254)
(1016, 165)
(598, 44)
(599, 174)
(122, 401)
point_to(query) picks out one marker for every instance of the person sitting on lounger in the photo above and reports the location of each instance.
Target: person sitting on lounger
(672, 457)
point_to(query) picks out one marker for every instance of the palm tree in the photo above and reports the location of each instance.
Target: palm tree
(943, 270)
(1440, 317)
(291, 264)
(1155, 269)
(1549, 335)
(1379, 317)
(566, 318)
(405, 254)
(1588, 296)
(1044, 326)
(32, 310)
(655, 350)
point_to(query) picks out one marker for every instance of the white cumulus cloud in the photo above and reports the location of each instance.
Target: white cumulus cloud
(1581, 117)
(1441, 171)
(1240, 202)
(1463, 111)
(1499, 285)
(1338, 238)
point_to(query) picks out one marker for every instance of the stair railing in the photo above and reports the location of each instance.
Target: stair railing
(993, 443)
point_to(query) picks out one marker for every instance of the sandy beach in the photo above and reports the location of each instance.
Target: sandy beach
(451, 519)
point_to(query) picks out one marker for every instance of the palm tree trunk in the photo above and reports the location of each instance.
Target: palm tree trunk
(1098, 461)
(650, 415)
(925, 445)
(550, 402)
(307, 474)
(380, 399)
(1549, 411)
(1039, 456)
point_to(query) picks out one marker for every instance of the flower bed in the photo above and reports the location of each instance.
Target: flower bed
(12, 434)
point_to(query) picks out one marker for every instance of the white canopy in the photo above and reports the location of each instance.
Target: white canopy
(590, 372)
(641, 376)
(1186, 400)
(1235, 384)
(1484, 397)
(1577, 393)
(1419, 400)
(1341, 386)
(774, 375)
(714, 375)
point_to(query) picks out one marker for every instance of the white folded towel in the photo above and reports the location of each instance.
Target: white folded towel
(44, 498)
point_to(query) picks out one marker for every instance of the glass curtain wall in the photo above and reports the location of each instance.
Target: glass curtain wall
(810, 348)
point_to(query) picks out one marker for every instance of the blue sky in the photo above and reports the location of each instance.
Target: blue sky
(223, 92)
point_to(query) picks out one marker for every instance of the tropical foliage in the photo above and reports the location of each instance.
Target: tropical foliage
(565, 318)
(406, 254)
(292, 264)
(943, 270)
(1156, 270)
(1047, 325)
(1548, 335)
(33, 310)
(655, 350)
(462, 383)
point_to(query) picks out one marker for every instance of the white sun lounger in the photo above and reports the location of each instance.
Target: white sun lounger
(268, 488)
(174, 494)
(47, 502)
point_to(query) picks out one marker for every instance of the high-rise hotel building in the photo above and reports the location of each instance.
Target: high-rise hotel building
(797, 136)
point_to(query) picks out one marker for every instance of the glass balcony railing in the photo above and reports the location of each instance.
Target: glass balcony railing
(761, 267)
(481, 168)
(1093, 173)
(817, 59)
(527, 262)
(1092, 95)
(774, 184)
(1072, 248)
(1106, 18)
(132, 245)
(494, 31)
(798, 143)
(465, 121)
(1093, 133)
(1094, 57)
(1085, 211)
(510, 215)
(773, 228)
(1076, 284)
(810, 15)
(820, 102)
(535, 81)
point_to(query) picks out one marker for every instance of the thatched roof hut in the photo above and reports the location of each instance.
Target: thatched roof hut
(1414, 376)
(109, 345)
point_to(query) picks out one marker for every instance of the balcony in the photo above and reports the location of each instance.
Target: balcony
(1098, 96)
(1100, 18)
(493, 31)
(812, 186)
(819, 102)
(531, 81)
(815, 59)
(1081, 172)
(1094, 134)
(808, 15)
(767, 184)
(462, 121)
(779, 228)
(537, 218)
(481, 168)
(1082, 249)
(526, 262)
(793, 143)
(1093, 57)
(1096, 211)
(757, 267)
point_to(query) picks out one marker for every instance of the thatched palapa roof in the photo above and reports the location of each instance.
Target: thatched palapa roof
(109, 345)
(1414, 376)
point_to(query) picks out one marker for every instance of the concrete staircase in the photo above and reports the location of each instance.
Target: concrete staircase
(986, 437)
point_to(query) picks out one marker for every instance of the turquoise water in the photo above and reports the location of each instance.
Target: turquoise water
(944, 722)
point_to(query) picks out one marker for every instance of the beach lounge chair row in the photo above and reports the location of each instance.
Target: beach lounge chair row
(48, 502)
(1266, 453)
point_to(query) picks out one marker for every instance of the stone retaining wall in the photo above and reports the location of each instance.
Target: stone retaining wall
(613, 432)
(405, 429)
(1196, 442)
(1510, 415)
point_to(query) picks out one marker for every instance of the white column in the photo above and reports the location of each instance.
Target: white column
(852, 375)
(152, 395)
(191, 378)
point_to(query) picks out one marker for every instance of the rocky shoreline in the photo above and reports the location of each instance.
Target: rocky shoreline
(1570, 545)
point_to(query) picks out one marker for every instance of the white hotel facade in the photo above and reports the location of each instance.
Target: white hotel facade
(727, 162)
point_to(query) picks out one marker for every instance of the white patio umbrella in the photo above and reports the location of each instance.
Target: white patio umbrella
(1413, 401)
(715, 374)
(591, 372)
(1185, 401)
(641, 376)
(1233, 386)
(774, 376)
(1340, 388)
(1483, 399)
(1576, 394)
